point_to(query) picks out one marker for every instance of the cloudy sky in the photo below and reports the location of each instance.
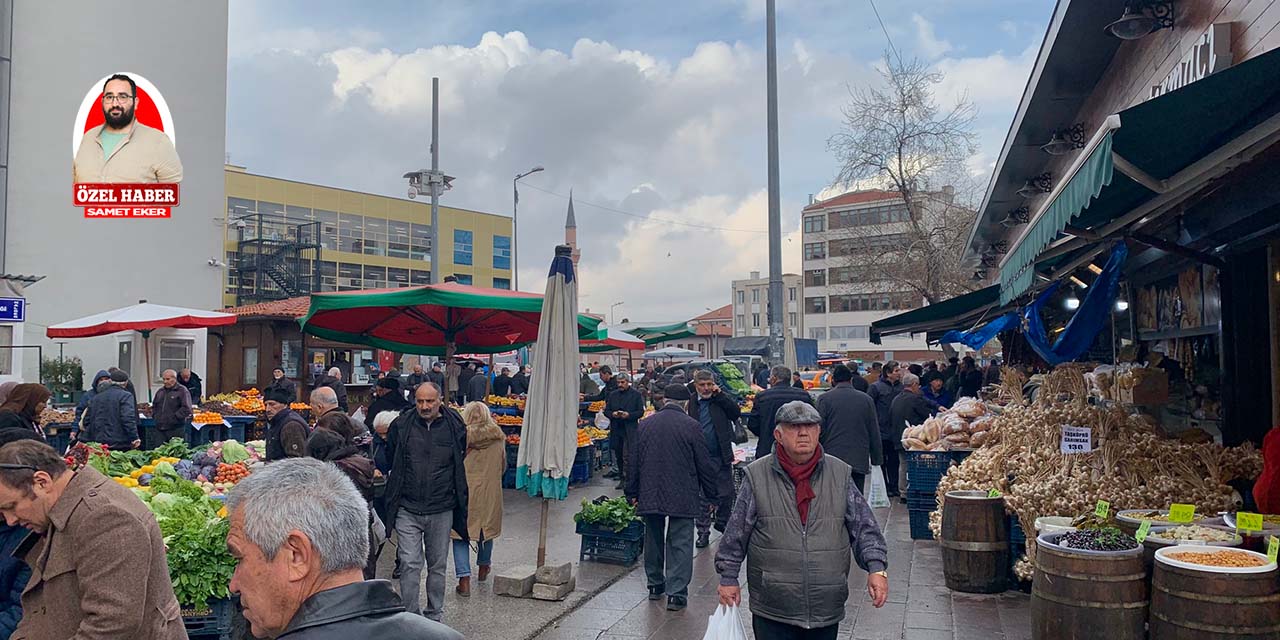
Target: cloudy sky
(653, 113)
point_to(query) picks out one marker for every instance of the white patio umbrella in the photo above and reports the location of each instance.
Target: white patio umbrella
(144, 318)
(549, 438)
(672, 353)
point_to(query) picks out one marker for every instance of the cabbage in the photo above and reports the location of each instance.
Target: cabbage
(142, 494)
(233, 452)
(163, 502)
(166, 470)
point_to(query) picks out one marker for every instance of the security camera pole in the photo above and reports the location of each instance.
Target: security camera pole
(775, 207)
(433, 180)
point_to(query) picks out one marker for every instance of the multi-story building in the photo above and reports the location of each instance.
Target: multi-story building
(711, 329)
(286, 238)
(848, 282)
(751, 305)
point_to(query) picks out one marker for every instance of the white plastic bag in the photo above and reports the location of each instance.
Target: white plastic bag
(601, 421)
(358, 416)
(725, 624)
(878, 498)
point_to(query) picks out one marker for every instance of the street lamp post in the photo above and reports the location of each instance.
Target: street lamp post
(515, 224)
(611, 308)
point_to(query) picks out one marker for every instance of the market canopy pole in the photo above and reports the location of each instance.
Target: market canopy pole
(549, 438)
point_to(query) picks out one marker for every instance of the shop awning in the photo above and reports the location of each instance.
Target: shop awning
(948, 314)
(655, 333)
(1147, 158)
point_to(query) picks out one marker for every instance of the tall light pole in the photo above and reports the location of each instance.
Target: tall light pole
(432, 181)
(611, 307)
(515, 224)
(775, 207)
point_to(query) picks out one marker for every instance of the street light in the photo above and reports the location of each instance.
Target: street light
(515, 224)
(611, 308)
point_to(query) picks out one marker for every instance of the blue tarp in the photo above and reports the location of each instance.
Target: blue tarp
(981, 336)
(1094, 313)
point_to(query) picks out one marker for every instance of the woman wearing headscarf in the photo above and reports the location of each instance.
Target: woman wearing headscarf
(26, 401)
(5, 389)
(486, 462)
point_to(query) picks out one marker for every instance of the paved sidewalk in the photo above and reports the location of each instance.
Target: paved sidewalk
(485, 615)
(919, 606)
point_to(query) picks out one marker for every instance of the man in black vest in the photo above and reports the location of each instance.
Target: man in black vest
(798, 519)
(286, 431)
(715, 412)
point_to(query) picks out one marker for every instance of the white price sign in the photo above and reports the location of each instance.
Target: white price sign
(1077, 439)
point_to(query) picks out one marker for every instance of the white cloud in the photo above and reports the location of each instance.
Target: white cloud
(927, 39)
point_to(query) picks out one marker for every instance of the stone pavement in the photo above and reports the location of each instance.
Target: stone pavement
(485, 615)
(919, 606)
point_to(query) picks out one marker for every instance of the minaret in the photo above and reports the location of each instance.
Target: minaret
(571, 236)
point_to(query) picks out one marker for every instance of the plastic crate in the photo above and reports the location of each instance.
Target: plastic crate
(513, 454)
(212, 621)
(584, 454)
(214, 432)
(509, 479)
(925, 469)
(59, 435)
(1016, 534)
(958, 455)
(600, 544)
(920, 524)
(922, 500)
(581, 472)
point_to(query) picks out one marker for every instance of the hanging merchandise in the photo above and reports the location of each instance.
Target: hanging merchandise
(1094, 312)
(978, 337)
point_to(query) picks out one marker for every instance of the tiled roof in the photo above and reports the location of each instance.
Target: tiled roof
(854, 197)
(287, 308)
(723, 313)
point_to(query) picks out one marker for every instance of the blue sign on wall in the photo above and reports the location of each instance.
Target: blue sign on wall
(13, 309)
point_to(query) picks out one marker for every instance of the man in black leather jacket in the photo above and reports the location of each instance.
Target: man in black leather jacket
(318, 592)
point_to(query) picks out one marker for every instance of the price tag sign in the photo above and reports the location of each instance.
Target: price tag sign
(1143, 530)
(1249, 521)
(1077, 439)
(1182, 512)
(1102, 509)
(1273, 548)
(995, 493)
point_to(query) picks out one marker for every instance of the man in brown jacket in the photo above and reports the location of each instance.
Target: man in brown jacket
(98, 566)
(123, 149)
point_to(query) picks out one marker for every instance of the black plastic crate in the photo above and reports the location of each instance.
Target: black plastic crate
(584, 454)
(1016, 534)
(509, 478)
(513, 454)
(920, 524)
(601, 544)
(213, 621)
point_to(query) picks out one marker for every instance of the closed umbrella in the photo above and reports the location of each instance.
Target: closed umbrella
(549, 438)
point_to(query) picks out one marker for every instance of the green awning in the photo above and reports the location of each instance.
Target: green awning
(658, 333)
(1153, 150)
(948, 314)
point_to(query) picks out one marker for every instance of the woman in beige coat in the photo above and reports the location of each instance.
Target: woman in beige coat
(486, 462)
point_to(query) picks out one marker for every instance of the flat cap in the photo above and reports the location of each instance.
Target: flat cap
(677, 392)
(119, 376)
(798, 412)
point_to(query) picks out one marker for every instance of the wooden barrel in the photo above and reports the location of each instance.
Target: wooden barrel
(1087, 594)
(975, 543)
(1206, 604)
(1155, 542)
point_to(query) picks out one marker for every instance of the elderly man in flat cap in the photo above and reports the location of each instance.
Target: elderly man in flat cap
(799, 519)
(668, 464)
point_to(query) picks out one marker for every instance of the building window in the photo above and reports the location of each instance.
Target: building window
(418, 278)
(375, 236)
(462, 246)
(742, 322)
(818, 333)
(815, 305)
(875, 302)
(755, 295)
(501, 252)
(397, 277)
(175, 354)
(741, 296)
(250, 365)
(815, 250)
(883, 214)
(502, 283)
(398, 245)
(350, 233)
(791, 294)
(791, 319)
(463, 278)
(815, 224)
(859, 332)
(420, 241)
(815, 278)
(350, 276)
(375, 277)
(755, 319)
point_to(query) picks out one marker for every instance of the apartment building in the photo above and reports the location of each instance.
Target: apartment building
(751, 308)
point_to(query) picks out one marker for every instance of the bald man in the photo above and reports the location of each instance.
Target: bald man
(171, 407)
(333, 380)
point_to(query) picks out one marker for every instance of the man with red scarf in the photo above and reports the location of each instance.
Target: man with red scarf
(798, 518)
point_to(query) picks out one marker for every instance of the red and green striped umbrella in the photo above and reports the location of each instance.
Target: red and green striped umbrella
(439, 319)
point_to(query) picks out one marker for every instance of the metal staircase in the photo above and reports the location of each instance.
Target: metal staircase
(274, 251)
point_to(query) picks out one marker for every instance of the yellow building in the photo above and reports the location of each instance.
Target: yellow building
(285, 238)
